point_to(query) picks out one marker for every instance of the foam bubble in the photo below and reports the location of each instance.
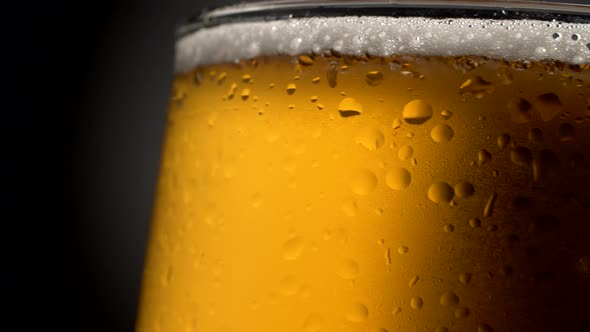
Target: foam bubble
(383, 36)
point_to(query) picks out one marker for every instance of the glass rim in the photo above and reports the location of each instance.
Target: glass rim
(287, 9)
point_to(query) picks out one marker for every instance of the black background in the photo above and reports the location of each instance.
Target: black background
(85, 91)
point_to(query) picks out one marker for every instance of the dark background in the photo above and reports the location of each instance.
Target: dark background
(86, 89)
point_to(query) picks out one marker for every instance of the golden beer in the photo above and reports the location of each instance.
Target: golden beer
(328, 191)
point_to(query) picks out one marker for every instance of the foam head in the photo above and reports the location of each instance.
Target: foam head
(514, 40)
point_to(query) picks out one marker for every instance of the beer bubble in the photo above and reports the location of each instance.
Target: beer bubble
(464, 189)
(449, 228)
(413, 281)
(291, 87)
(348, 269)
(521, 156)
(566, 132)
(293, 248)
(442, 329)
(462, 312)
(465, 278)
(405, 152)
(503, 141)
(363, 182)
(442, 133)
(417, 112)
(536, 135)
(313, 323)
(484, 328)
(474, 222)
(402, 250)
(370, 138)
(357, 313)
(448, 299)
(398, 178)
(349, 107)
(440, 192)
(483, 156)
(289, 285)
(374, 78)
(416, 303)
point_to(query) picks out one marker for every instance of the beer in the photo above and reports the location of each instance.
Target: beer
(358, 188)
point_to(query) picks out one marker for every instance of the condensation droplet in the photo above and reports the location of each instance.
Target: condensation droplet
(465, 278)
(396, 123)
(503, 141)
(313, 323)
(357, 313)
(349, 107)
(483, 157)
(245, 93)
(536, 135)
(489, 207)
(396, 310)
(521, 110)
(398, 178)
(440, 192)
(293, 248)
(442, 133)
(449, 228)
(448, 299)
(474, 222)
(416, 303)
(417, 112)
(291, 88)
(521, 156)
(363, 182)
(387, 257)
(305, 60)
(402, 250)
(464, 189)
(566, 132)
(462, 312)
(348, 269)
(484, 328)
(405, 152)
(374, 78)
(413, 281)
(548, 105)
(371, 138)
(289, 285)
(446, 114)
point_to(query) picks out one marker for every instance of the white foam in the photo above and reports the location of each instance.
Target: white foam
(384, 36)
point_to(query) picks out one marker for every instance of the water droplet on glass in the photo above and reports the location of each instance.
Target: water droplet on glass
(357, 313)
(405, 152)
(305, 60)
(402, 250)
(398, 178)
(348, 269)
(489, 207)
(370, 138)
(413, 281)
(521, 156)
(448, 299)
(449, 228)
(349, 107)
(461, 312)
(464, 189)
(503, 141)
(396, 124)
(465, 278)
(417, 112)
(374, 78)
(442, 133)
(396, 310)
(548, 105)
(483, 157)
(446, 114)
(291, 88)
(349, 207)
(440, 192)
(363, 182)
(416, 303)
(292, 248)
(474, 222)
(536, 135)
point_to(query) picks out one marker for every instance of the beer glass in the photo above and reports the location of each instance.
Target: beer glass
(375, 166)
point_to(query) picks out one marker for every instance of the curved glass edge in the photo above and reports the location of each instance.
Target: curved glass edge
(287, 9)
